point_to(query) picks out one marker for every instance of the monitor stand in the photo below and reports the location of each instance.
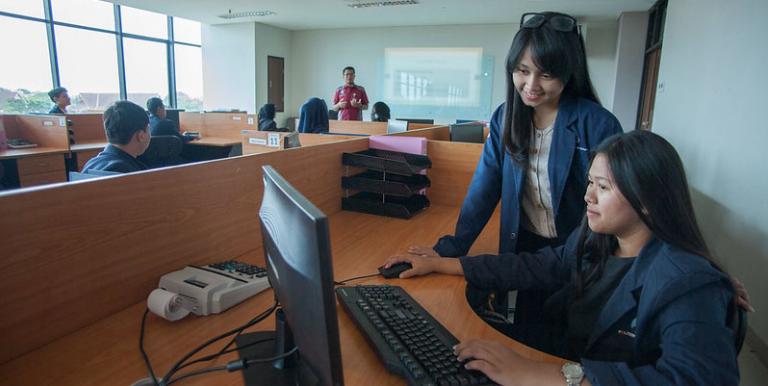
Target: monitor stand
(282, 372)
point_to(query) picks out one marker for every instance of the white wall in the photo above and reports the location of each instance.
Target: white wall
(601, 58)
(229, 75)
(271, 41)
(630, 56)
(235, 55)
(711, 105)
(319, 55)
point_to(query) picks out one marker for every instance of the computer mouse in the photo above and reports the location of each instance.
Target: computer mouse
(394, 270)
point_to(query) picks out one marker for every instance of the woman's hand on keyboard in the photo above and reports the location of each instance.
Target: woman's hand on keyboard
(505, 366)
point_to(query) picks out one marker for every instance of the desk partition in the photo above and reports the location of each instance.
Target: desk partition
(80, 259)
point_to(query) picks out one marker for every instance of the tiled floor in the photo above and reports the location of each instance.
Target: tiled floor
(753, 372)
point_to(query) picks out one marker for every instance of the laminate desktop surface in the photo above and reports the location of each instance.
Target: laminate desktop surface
(106, 352)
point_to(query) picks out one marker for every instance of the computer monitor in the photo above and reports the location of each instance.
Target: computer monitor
(468, 132)
(298, 255)
(173, 114)
(396, 126)
(418, 120)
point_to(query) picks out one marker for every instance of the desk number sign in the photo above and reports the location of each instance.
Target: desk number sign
(273, 140)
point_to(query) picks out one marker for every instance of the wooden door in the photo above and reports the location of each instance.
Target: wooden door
(276, 82)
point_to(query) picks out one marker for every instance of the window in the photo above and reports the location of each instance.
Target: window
(140, 22)
(91, 13)
(24, 83)
(189, 77)
(186, 31)
(86, 58)
(88, 68)
(23, 7)
(146, 70)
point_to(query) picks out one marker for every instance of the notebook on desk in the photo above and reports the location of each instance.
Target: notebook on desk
(20, 143)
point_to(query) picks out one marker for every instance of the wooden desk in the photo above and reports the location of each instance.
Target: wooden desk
(106, 352)
(37, 165)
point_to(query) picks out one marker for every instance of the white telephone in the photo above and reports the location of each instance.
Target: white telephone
(206, 290)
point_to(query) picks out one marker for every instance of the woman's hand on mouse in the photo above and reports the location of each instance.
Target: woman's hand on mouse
(423, 265)
(422, 250)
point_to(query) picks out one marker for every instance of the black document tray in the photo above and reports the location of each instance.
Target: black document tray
(392, 206)
(388, 161)
(374, 181)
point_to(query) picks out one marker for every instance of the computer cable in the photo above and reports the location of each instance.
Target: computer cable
(237, 331)
(180, 364)
(144, 353)
(344, 282)
(232, 366)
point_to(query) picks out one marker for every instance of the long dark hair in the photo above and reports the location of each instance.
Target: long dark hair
(562, 55)
(649, 174)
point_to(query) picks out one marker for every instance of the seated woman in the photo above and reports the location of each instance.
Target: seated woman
(267, 118)
(638, 299)
(313, 116)
(380, 112)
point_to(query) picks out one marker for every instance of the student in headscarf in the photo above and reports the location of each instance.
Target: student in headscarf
(267, 118)
(380, 112)
(313, 116)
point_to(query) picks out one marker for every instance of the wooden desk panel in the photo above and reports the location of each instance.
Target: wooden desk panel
(107, 353)
(98, 247)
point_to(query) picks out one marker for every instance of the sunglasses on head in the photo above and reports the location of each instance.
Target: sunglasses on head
(562, 23)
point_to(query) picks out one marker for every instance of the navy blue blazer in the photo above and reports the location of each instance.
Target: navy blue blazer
(580, 126)
(112, 159)
(665, 323)
(159, 126)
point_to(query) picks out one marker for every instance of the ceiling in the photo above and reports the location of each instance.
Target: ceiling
(318, 14)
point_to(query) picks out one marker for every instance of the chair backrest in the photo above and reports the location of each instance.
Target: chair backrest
(75, 176)
(738, 323)
(395, 126)
(163, 150)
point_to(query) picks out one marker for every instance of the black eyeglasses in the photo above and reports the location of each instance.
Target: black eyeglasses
(558, 22)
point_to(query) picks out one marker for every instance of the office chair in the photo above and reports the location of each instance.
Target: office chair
(738, 323)
(75, 176)
(163, 150)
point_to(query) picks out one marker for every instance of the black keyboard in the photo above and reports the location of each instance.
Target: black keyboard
(405, 336)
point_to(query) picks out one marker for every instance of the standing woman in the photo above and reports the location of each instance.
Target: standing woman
(537, 152)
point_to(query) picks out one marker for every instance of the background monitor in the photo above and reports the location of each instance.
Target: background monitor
(396, 126)
(173, 114)
(418, 120)
(468, 132)
(297, 250)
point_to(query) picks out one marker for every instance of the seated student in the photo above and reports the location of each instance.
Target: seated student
(159, 124)
(380, 112)
(126, 126)
(313, 116)
(637, 301)
(60, 97)
(267, 118)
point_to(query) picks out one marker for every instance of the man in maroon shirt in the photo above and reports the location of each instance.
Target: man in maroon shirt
(350, 99)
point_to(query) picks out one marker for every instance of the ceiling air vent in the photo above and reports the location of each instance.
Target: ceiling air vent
(388, 3)
(245, 14)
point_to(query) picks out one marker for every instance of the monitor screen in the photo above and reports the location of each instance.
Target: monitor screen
(298, 254)
(396, 126)
(468, 132)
